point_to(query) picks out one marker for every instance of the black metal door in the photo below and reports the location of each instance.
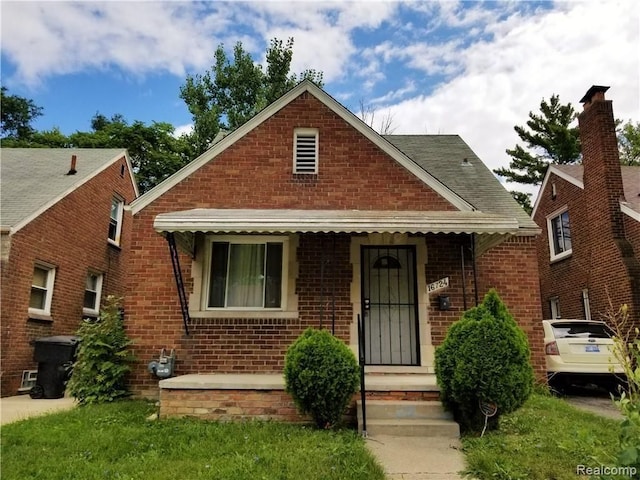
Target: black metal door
(389, 305)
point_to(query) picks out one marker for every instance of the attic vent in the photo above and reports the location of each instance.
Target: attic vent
(305, 155)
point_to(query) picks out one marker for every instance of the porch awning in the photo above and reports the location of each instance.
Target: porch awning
(493, 228)
(332, 221)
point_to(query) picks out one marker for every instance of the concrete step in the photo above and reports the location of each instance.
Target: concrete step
(403, 409)
(412, 428)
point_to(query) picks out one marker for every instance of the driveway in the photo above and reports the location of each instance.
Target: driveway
(595, 401)
(20, 407)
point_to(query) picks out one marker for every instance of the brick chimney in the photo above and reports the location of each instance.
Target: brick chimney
(602, 174)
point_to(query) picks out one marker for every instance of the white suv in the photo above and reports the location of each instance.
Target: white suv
(580, 352)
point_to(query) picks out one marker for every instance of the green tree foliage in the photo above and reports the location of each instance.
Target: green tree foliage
(626, 350)
(232, 92)
(103, 358)
(154, 150)
(484, 359)
(17, 114)
(629, 143)
(548, 138)
(322, 375)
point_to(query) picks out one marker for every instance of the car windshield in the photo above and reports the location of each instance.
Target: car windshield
(581, 330)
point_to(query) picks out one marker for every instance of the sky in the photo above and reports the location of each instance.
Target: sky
(470, 68)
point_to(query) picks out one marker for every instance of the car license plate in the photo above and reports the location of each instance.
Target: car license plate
(592, 348)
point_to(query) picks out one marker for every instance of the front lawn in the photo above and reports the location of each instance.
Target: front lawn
(115, 441)
(546, 439)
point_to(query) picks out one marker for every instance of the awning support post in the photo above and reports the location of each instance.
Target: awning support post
(177, 273)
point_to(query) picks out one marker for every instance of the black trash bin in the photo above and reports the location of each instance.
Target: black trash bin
(55, 356)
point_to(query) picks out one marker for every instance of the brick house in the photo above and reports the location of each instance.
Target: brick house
(304, 216)
(589, 249)
(65, 238)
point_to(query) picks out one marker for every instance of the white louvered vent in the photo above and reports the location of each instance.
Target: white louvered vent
(305, 156)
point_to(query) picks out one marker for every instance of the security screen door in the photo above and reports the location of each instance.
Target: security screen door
(389, 305)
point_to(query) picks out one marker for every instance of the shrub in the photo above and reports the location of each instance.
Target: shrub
(626, 349)
(103, 358)
(484, 359)
(321, 374)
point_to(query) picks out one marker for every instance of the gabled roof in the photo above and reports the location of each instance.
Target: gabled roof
(574, 174)
(338, 109)
(449, 159)
(34, 179)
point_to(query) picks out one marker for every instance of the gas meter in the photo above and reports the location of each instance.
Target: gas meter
(163, 367)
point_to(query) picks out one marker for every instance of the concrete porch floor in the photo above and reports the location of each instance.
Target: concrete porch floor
(230, 381)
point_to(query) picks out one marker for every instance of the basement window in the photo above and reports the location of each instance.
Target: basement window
(559, 232)
(305, 151)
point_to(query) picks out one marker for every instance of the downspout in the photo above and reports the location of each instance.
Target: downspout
(333, 285)
(321, 282)
(475, 273)
(464, 280)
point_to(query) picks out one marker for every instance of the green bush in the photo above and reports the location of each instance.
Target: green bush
(484, 358)
(321, 374)
(626, 349)
(103, 358)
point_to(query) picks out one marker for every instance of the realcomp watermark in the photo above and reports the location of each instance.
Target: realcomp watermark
(606, 470)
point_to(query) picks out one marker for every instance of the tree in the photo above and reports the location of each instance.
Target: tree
(629, 143)
(154, 150)
(548, 138)
(17, 113)
(368, 116)
(230, 93)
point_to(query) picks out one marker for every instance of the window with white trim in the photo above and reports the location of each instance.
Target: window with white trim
(115, 220)
(554, 305)
(246, 273)
(559, 234)
(305, 150)
(42, 289)
(92, 292)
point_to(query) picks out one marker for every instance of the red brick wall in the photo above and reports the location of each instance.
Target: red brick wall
(445, 254)
(256, 172)
(605, 242)
(512, 269)
(565, 278)
(72, 236)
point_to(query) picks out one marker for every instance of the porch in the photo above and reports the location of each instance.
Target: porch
(227, 397)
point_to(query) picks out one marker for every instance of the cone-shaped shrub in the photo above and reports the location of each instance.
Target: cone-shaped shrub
(321, 375)
(485, 357)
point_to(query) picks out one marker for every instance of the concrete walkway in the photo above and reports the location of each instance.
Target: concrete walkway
(20, 407)
(418, 458)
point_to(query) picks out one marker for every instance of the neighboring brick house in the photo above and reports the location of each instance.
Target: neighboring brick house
(65, 236)
(304, 216)
(589, 251)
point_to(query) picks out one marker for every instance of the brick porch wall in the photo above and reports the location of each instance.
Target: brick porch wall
(227, 405)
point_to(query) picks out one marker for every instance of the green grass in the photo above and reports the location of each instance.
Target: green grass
(115, 441)
(545, 440)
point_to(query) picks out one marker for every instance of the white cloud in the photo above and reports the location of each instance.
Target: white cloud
(46, 38)
(563, 52)
(183, 130)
